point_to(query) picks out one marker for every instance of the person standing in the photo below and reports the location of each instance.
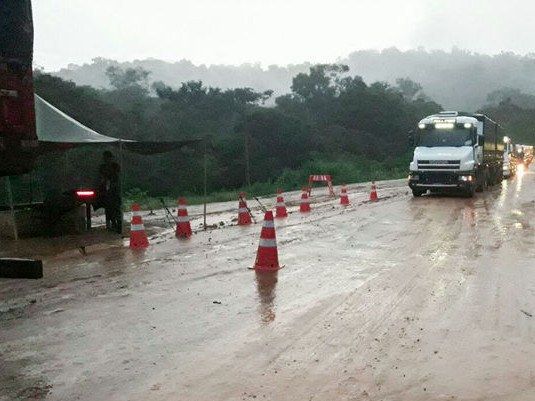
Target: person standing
(110, 192)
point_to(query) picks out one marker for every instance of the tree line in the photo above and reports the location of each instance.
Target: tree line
(330, 120)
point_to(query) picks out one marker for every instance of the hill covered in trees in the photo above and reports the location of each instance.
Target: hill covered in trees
(459, 80)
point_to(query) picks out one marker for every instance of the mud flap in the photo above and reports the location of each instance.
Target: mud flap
(21, 268)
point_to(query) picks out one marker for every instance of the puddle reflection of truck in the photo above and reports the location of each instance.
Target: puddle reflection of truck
(456, 152)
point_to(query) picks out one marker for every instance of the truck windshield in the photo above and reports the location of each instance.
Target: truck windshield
(445, 137)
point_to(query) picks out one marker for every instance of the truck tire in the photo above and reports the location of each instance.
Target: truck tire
(499, 169)
(483, 180)
(469, 192)
(480, 181)
(418, 192)
(495, 176)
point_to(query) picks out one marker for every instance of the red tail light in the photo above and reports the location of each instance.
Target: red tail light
(85, 194)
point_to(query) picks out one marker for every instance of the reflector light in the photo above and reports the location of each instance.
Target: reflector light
(85, 193)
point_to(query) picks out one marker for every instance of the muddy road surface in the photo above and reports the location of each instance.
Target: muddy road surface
(403, 299)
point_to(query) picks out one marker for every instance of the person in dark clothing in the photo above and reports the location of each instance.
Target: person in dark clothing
(110, 192)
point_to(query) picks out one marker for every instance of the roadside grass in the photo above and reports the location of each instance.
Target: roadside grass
(342, 171)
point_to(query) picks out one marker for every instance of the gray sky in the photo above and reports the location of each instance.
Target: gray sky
(272, 31)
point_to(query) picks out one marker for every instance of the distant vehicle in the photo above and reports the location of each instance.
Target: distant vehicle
(18, 139)
(528, 155)
(458, 152)
(523, 154)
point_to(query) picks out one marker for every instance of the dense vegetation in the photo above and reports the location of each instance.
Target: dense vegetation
(331, 122)
(458, 80)
(515, 111)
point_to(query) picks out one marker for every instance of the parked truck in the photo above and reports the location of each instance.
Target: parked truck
(18, 139)
(456, 151)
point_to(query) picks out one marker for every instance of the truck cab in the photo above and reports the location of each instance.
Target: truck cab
(456, 152)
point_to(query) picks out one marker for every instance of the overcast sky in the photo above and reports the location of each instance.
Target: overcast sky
(272, 31)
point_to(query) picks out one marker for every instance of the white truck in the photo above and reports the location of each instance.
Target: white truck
(456, 152)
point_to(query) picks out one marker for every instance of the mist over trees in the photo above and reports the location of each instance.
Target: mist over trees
(458, 80)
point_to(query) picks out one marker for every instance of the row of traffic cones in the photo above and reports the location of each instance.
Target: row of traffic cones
(267, 258)
(138, 236)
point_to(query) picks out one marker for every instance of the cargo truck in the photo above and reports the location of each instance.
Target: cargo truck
(18, 139)
(456, 152)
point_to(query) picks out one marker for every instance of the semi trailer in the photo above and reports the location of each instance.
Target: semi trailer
(456, 152)
(18, 138)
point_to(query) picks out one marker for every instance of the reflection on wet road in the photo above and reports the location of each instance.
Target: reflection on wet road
(266, 283)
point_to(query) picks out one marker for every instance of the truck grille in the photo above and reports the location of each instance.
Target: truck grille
(438, 178)
(439, 164)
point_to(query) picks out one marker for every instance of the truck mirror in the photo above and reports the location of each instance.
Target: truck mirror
(481, 140)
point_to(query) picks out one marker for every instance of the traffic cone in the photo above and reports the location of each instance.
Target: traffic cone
(183, 227)
(244, 217)
(267, 256)
(373, 193)
(138, 237)
(280, 209)
(344, 199)
(304, 207)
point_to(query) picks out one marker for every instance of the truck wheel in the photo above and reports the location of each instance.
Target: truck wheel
(417, 192)
(469, 192)
(480, 182)
(490, 178)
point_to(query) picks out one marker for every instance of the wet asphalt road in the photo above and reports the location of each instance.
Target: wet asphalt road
(403, 299)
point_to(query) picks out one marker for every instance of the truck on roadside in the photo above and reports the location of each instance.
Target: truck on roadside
(456, 152)
(18, 139)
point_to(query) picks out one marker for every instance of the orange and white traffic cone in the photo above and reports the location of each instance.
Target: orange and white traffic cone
(183, 227)
(244, 217)
(280, 208)
(344, 199)
(267, 256)
(373, 193)
(304, 207)
(138, 237)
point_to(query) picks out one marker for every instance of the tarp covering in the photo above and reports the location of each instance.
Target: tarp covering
(53, 125)
(57, 130)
